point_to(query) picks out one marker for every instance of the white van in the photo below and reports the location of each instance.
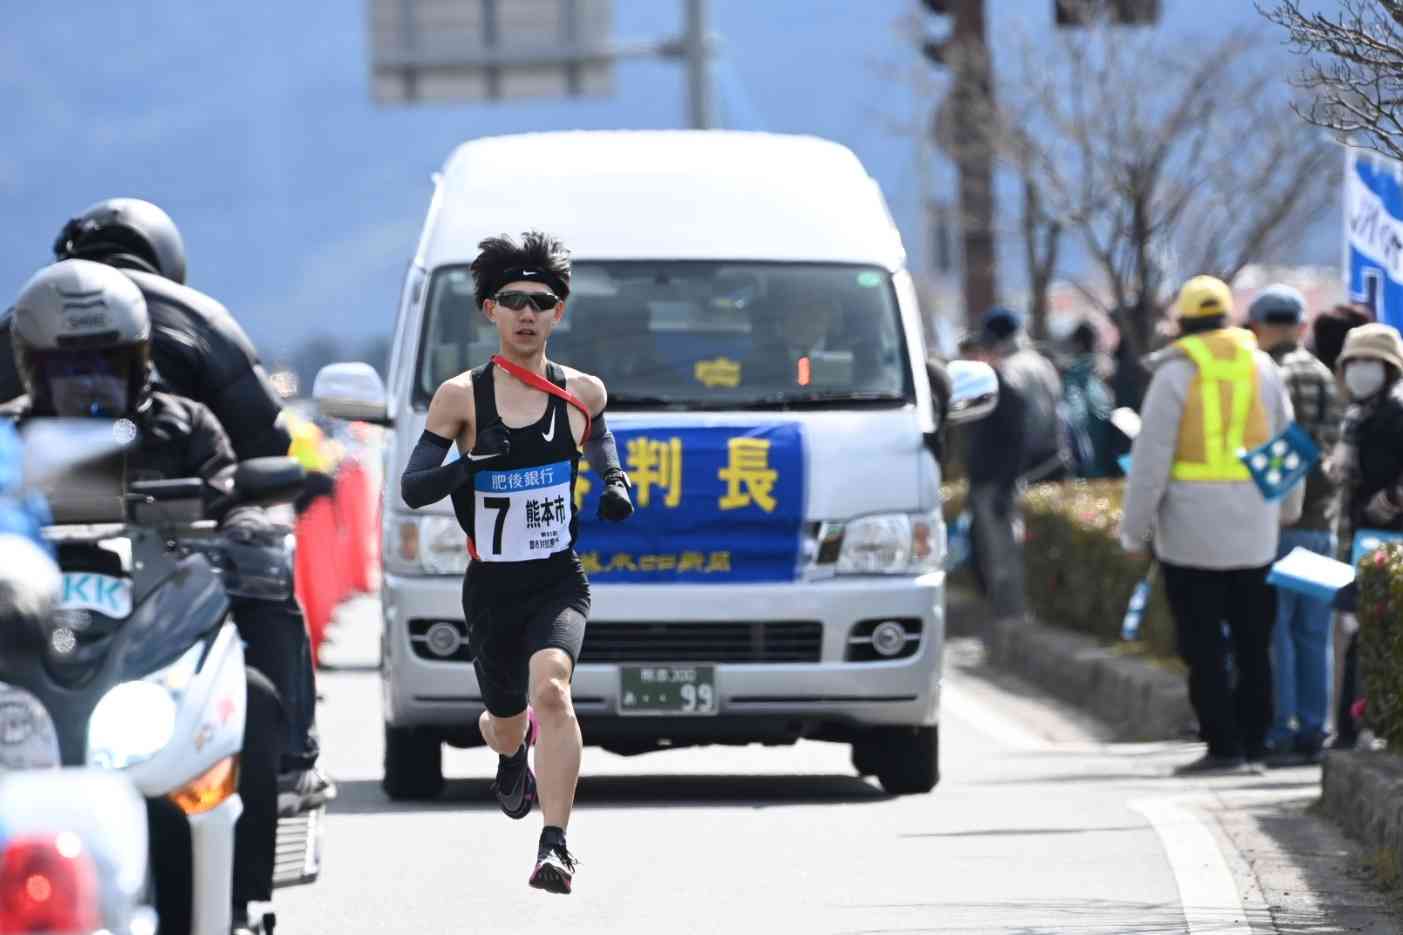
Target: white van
(744, 297)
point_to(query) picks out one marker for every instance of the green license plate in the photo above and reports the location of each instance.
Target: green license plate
(668, 690)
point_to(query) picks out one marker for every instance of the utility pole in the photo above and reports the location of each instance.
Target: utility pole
(972, 104)
(698, 51)
(961, 128)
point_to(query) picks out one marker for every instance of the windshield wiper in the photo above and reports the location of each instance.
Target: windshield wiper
(769, 401)
(782, 400)
(682, 403)
(635, 399)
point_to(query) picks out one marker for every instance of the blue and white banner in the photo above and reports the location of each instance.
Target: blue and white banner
(1373, 223)
(713, 504)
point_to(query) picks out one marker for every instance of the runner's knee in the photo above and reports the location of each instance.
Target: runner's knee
(505, 732)
(551, 697)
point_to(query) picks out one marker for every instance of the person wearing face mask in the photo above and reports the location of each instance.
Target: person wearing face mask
(1367, 464)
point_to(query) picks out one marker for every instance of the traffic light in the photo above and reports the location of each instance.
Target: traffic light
(934, 49)
(1073, 13)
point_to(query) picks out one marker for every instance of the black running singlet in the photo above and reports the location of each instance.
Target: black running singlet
(520, 510)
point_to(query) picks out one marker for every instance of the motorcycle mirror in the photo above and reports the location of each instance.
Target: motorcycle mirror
(268, 481)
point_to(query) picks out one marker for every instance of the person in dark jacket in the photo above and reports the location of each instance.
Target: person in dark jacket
(1328, 333)
(97, 364)
(1020, 442)
(198, 349)
(1367, 464)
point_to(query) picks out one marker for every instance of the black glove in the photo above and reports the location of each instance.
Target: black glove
(492, 442)
(614, 502)
(249, 526)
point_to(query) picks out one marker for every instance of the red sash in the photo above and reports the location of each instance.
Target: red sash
(536, 381)
(539, 382)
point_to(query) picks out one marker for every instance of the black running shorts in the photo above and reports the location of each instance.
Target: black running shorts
(507, 628)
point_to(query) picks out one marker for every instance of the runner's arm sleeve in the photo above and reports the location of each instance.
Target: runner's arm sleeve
(614, 502)
(602, 452)
(426, 478)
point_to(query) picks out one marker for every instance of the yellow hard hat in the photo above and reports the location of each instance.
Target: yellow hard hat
(1204, 297)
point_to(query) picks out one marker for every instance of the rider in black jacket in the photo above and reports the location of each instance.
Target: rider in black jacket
(82, 349)
(199, 352)
(198, 349)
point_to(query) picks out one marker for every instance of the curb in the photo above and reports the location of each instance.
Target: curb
(1363, 793)
(1137, 700)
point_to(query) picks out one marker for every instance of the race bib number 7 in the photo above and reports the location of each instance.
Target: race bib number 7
(522, 514)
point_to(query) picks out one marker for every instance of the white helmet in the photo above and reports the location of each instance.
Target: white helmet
(82, 341)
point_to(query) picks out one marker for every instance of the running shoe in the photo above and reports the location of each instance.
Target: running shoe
(515, 786)
(555, 869)
(303, 790)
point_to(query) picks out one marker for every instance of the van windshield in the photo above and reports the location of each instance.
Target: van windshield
(700, 334)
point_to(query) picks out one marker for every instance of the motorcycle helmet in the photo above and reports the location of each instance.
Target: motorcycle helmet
(82, 341)
(125, 232)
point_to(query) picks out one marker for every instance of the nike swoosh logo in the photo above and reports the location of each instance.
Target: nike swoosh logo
(551, 434)
(514, 799)
(472, 457)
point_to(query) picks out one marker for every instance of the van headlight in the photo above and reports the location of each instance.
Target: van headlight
(135, 720)
(892, 544)
(426, 545)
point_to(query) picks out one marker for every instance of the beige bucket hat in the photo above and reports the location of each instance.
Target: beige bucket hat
(1373, 341)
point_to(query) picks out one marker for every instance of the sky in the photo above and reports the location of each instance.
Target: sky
(300, 199)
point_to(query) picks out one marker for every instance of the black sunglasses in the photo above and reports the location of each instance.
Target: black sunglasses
(516, 301)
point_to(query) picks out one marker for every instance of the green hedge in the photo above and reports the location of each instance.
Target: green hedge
(1381, 642)
(1078, 577)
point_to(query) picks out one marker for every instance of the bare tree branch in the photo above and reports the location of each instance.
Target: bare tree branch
(1142, 160)
(1353, 68)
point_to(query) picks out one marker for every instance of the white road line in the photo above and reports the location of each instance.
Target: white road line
(987, 720)
(1207, 891)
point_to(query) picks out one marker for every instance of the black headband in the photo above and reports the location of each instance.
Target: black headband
(529, 274)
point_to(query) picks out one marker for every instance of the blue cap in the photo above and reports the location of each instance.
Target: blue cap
(1001, 323)
(1278, 304)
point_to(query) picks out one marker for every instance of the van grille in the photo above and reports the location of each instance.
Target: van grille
(733, 642)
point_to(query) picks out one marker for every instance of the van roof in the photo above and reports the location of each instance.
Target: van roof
(672, 194)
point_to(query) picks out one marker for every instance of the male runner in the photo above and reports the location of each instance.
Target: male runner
(525, 595)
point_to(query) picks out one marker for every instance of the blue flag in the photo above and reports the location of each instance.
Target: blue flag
(1283, 462)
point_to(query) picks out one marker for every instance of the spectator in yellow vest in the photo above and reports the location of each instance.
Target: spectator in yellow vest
(311, 450)
(1213, 394)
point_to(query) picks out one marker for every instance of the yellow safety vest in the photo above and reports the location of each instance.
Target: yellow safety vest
(307, 445)
(1223, 413)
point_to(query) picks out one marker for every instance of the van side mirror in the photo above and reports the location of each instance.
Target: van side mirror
(351, 391)
(974, 391)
